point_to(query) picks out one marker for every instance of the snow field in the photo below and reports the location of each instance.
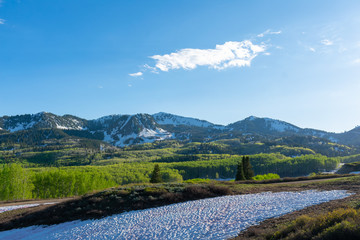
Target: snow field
(213, 218)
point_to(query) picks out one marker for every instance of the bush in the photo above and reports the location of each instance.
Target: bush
(266, 177)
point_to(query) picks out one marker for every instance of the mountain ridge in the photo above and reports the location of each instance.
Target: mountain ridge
(123, 129)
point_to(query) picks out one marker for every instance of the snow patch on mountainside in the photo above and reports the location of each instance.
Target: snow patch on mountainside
(22, 126)
(280, 126)
(68, 128)
(157, 133)
(108, 138)
(145, 136)
(125, 140)
(170, 119)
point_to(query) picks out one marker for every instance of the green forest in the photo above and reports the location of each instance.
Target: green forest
(68, 167)
(18, 182)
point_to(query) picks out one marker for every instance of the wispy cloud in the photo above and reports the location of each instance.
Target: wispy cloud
(229, 54)
(327, 42)
(267, 32)
(2, 21)
(152, 69)
(312, 49)
(137, 74)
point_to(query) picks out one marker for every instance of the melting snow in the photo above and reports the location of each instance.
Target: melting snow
(166, 118)
(158, 133)
(68, 128)
(107, 137)
(22, 126)
(280, 126)
(9, 208)
(214, 218)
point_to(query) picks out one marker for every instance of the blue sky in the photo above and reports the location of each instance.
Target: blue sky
(297, 61)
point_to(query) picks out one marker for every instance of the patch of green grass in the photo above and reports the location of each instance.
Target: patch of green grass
(338, 224)
(198, 180)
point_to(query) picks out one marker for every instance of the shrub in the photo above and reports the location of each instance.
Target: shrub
(338, 224)
(266, 177)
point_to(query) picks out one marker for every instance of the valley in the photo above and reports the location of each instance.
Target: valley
(105, 165)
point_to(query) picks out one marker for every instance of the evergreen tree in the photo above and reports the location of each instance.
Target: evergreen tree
(240, 172)
(248, 171)
(156, 176)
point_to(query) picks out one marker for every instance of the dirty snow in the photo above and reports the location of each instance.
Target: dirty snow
(214, 218)
(9, 208)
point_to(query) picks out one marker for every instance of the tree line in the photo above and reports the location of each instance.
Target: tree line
(50, 182)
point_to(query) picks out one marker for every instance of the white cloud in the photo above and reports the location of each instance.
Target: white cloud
(230, 54)
(2, 21)
(327, 42)
(138, 74)
(312, 49)
(268, 32)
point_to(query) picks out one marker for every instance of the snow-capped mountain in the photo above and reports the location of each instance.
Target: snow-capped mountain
(123, 130)
(264, 125)
(41, 120)
(175, 120)
(277, 128)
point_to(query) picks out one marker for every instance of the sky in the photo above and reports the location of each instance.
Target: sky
(222, 61)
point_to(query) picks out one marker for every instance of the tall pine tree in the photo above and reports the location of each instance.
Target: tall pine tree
(156, 176)
(248, 171)
(240, 172)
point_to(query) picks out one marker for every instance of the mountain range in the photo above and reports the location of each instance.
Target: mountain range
(124, 130)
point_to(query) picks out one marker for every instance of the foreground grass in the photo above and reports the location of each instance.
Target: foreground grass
(338, 224)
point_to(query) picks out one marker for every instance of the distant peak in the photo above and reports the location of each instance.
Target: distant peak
(251, 118)
(41, 113)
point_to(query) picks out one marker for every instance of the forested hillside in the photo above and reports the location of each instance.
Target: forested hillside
(48, 156)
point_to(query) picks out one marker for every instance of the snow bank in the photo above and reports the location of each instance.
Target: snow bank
(214, 218)
(9, 208)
